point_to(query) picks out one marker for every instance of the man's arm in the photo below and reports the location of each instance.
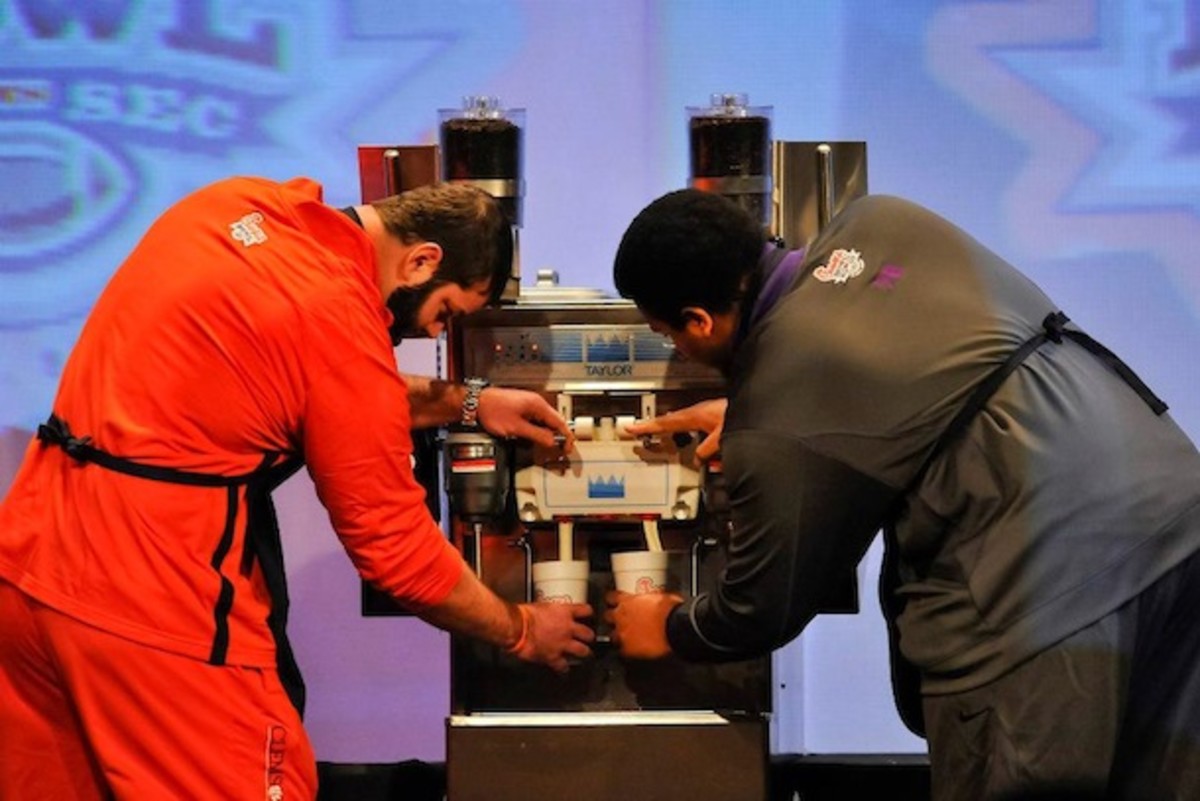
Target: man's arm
(800, 520)
(707, 416)
(545, 633)
(433, 402)
(502, 412)
(358, 451)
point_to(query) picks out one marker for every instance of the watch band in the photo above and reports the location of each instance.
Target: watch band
(470, 406)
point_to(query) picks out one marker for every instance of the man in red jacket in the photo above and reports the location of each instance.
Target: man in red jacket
(142, 601)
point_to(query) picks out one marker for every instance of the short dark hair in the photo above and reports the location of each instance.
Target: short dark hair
(474, 233)
(688, 248)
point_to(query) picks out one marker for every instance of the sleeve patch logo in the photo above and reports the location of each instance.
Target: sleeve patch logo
(841, 267)
(248, 230)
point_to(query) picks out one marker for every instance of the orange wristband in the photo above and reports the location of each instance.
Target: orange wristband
(524, 638)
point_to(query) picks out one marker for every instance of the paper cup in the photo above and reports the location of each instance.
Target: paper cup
(560, 582)
(640, 572)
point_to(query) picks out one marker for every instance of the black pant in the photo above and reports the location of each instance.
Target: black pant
(1112, 712)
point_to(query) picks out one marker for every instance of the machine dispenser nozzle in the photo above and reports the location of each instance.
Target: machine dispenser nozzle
(653, 540)
(566, 540)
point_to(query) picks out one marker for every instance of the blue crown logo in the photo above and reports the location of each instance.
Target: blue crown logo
(608, 348)
(607, 489)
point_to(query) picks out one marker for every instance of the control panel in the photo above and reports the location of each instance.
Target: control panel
(571, 356)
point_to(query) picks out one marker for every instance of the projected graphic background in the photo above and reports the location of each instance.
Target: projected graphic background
(1063, 133)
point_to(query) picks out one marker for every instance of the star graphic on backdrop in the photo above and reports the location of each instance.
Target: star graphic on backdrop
(1090, 90)
(1123, 85)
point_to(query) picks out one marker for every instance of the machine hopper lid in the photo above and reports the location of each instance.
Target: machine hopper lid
(547, 290)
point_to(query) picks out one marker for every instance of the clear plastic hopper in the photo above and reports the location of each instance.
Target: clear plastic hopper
(730, 151)
(482, 144)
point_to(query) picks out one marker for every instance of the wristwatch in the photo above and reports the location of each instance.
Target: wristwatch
(470, 406)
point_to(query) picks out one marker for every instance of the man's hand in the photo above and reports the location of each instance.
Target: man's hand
(552, 633)
(543, 633)
(640, 622)
(505, 412)
(707, 416)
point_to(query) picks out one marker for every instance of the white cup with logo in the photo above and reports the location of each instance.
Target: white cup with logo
(640, 572)
(563, 581)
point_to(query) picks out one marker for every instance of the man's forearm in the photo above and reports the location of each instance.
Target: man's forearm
(433, 401)
(472, 610)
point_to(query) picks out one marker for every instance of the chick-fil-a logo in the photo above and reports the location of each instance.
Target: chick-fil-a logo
(645, 585)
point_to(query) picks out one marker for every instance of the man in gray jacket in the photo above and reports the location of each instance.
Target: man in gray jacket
(1041, 511)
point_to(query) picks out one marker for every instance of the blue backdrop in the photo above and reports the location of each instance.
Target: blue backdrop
(1064, 133)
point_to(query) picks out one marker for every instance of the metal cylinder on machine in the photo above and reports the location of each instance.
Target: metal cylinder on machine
(730, 151)
(477, 476)
(482, 144)
(813, 181)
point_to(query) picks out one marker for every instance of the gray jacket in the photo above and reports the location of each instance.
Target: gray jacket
(1066, 496)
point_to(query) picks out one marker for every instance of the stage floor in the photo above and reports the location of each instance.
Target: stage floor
(827, 777)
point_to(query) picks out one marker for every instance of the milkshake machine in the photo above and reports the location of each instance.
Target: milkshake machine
(609, 728)
(613, 728)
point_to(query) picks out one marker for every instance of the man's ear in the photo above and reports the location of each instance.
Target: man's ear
(697, 321)
(421, 263)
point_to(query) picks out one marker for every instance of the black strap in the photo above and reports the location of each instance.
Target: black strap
(262, 541)
(264, 544)
(224, 605)
(55, 431)
(906, 679)
(1053, 330)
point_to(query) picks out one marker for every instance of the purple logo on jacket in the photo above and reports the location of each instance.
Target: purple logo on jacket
(887, 277)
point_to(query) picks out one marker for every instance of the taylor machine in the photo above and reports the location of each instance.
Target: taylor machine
(610, 728)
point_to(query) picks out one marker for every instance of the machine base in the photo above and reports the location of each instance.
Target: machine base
(635, 756)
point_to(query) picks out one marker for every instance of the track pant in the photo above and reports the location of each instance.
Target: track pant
(1112, 712)
(86, 715)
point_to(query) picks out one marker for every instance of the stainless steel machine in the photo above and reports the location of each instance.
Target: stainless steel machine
(609, 729)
